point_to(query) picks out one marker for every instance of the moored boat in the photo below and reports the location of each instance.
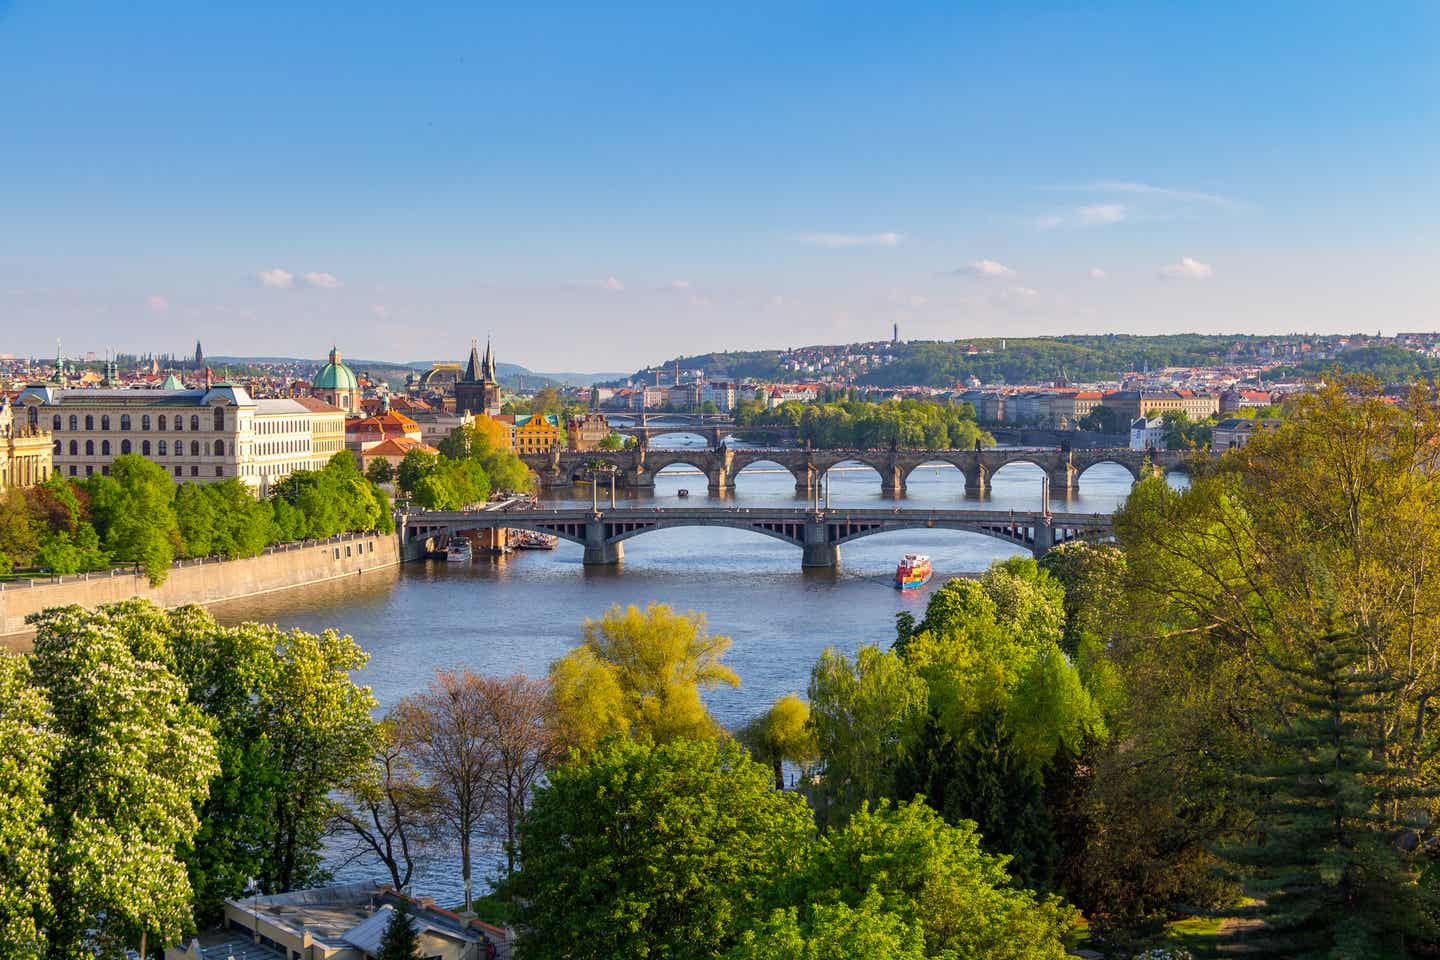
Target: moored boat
(914, 571)
(458, 550)
(530, 540)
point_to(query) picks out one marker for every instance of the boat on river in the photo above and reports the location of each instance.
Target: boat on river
(458, 550)
(914, 571)
(530, 540)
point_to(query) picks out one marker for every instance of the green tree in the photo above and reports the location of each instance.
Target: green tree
(27, 751)
(1325, 866)
(863, 712)
(640, 672)
(825, 931)
(414, 465)
(379, 471)
(782, 733)
(642, 849)
(133, 765)
(400, 941)
(63, 553)
(935, 875)
(134, 514)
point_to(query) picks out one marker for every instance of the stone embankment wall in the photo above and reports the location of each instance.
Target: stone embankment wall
(203, 581)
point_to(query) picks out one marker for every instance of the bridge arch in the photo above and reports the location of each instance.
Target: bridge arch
(741, 462)
(1129, 466)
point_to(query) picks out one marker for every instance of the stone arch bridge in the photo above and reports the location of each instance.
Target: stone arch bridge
(818, 533)
(721, 464)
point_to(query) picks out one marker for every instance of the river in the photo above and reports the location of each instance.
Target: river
(518, 613)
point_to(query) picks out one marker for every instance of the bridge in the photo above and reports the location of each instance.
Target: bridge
(636, 469)
(712, 429)
(818, 533)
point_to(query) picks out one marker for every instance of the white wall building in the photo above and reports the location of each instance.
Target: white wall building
(206, 434)
(1147, 434)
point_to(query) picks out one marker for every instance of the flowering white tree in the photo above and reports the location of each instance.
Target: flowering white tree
(133, 764)
(27, 748)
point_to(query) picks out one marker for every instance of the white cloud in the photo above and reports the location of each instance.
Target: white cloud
(157, 303)
(985, 268)
(1187, 269)
(1097, 274)
(276, 278)
(1102, 213)
(612, 284)
(325, 281)
(836, 241)
(1150, 190)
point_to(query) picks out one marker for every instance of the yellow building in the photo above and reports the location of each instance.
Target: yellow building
(25, 450)
(327, 429)
(534, 433)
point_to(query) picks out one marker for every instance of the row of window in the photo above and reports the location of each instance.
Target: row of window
(125, 422)
(196, 448)
(179, 471)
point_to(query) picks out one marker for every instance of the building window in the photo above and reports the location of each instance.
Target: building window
(89, 448)
(195, 422)
(73, 449)
(54, 422)
(124, 421)
(72, 469)
(163, 449)
(179, 424)
(105, 469)
(145, 421)
(194, 471)
(104, 448)
(219, 419)
(89, 470)
(145, 447)
(89, 422)
(125, 445)
(194, 448)
(162, 421)
(105, 422)
(219, 448)
(74, 423)
(219, 471)
(178, 472)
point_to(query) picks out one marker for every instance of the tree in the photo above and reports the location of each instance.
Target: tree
(521, 714)
(1101, 418)
(863, 711)
(782, 733)
(134, 514)
(28, 747)
(400, 941)
(1325, 866)
(133, 763)
(825, 931)
(654, 849)
(446, 731)
(935, 875)
(641, 673)
(611, 441)
(388, 810)
(415, 464)
(379, 471)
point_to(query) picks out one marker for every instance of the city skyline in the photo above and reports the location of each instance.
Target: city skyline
(602, 190)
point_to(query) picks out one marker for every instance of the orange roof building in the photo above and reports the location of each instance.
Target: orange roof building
(365, 432)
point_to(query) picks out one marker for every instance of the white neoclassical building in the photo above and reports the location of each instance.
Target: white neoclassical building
(203, 434)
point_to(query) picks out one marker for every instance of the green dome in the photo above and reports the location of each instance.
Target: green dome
(335, 375)
(172, 382)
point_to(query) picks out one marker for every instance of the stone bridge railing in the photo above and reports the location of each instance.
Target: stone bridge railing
(636, 469)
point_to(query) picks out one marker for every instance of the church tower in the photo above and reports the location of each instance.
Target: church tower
(478, 391)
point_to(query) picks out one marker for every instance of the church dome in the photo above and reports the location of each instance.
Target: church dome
(335, 375)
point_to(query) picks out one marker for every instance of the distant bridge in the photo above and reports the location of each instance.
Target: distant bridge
(636, 469)
(818, 533)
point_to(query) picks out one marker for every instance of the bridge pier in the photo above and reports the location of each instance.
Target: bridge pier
(1064, 477)
(600, 552)
(1044, 538)
(975, 480)
(819, 552)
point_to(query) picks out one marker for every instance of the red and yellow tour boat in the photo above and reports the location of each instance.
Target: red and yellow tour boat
(914, 571)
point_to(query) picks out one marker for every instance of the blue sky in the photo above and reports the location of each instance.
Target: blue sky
(604, 186)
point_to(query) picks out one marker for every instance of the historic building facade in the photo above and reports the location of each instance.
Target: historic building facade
(25, 449)
(205, 434)
(478, 391)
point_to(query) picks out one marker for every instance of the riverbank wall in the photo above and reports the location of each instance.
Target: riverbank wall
(203, 581)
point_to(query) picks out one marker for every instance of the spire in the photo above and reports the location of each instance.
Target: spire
(334, 355)
(490, 363)
(475, 369)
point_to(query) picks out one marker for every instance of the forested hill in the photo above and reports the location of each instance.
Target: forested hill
(1386, 363)
(1012, 360)
(1029, 360)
